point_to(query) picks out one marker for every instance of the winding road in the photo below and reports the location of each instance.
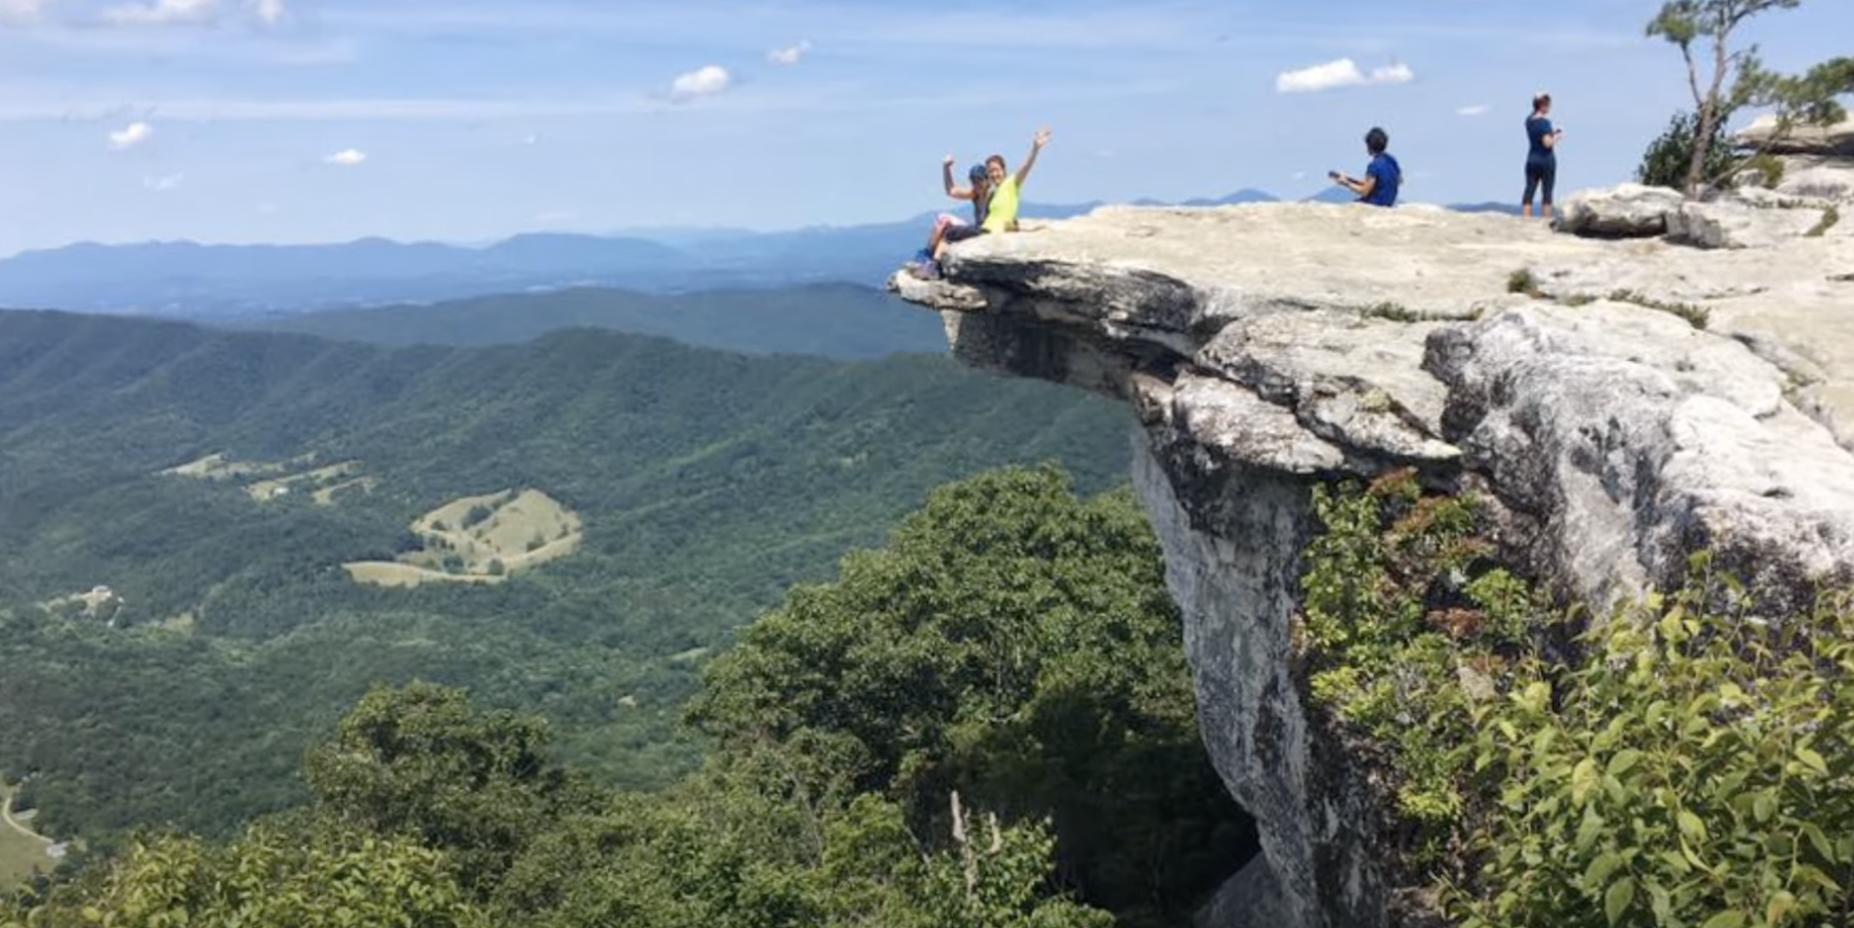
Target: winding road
(6, 815)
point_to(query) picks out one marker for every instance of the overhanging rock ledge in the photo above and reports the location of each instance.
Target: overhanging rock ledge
(1264, 347)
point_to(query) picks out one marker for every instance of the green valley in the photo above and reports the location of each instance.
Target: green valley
(170, 642)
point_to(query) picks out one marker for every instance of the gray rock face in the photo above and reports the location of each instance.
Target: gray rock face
(1627, 211)
(1837, 139)
(1818, 178)
(1738, 224)
(1266, 347)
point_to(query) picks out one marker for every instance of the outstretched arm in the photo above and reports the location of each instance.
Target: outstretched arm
(1361, 187)
(1036, 145)
(946, 174)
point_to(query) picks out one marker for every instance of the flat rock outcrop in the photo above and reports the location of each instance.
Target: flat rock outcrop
(1837, 139)
(1265, 347)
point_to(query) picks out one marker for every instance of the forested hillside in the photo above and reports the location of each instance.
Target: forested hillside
(986, 722)
(845, 321)
(702, 483)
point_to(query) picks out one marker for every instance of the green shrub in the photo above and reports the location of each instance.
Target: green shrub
(1768, 167)
(1667, 158)
(1522, 281)
(1402, 602)
(1696, 769)
(1830, 217)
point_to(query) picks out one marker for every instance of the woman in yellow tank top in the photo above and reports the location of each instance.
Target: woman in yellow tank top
(1000, 211)
(1005, 188)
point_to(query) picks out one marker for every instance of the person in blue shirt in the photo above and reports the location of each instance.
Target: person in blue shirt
(1382, 177)
(1541, 154)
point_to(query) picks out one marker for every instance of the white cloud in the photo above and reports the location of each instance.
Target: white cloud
(532, 138)
(163, 183)
(789, 55)
(702, 82)
(1341, 73)
(162, 12)
(346, 158)
(131, 135)
(20, 12)
(270, 11)
(1478, 109)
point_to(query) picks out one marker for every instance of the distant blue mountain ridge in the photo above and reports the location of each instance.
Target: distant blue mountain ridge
(189, 280)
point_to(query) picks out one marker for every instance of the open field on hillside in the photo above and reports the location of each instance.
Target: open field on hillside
(276, 480)
(480, 539)
(20, 849)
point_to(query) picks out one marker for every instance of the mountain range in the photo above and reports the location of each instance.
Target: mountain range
(190, 280)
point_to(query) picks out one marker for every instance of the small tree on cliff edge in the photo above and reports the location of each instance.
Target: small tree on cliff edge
(1688, 23)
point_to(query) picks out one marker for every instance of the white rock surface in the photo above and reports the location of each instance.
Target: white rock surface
(1729, 224)
(1626, 211)
(1265, 347)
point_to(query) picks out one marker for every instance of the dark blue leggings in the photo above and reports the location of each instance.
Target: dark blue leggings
(1540, 174)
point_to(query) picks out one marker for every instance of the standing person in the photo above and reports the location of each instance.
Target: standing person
(1383, 176)
(1541, 154)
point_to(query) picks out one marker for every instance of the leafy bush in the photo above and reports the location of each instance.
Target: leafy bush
(1403, 602)
(1668, 157)
(327, 878)
(1696, 769)
(1013, 644)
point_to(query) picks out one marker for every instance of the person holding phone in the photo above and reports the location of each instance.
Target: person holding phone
(1383, 176)
(1541, 155)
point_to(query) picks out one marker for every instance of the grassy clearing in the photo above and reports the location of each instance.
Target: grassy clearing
(480, 539)
(270, 480)
(313, 481)
(19, 852)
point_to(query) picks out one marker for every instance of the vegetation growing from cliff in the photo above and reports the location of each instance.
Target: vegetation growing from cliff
(1694, 767)
(988, 722)
(1405, 611)
(1686, 761)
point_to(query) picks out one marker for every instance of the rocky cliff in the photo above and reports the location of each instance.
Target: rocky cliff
(1650, 377)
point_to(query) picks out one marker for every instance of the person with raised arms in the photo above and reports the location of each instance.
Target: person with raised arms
(1002, 205)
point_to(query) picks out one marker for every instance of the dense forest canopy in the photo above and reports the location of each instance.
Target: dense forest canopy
(231, 634)
(985, 722)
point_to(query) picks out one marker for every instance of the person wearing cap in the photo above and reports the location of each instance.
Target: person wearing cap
(999, 194)
(947, 224)
(1541, 155)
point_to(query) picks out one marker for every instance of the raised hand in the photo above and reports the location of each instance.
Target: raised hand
(1042, 138)
(948, 160)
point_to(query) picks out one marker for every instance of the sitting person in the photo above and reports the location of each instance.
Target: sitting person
(979, 193)
(1001, 205)
(1382, 177)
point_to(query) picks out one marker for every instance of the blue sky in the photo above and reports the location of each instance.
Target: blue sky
(463, 120)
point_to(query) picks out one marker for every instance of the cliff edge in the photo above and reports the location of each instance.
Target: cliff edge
(1647, 379)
